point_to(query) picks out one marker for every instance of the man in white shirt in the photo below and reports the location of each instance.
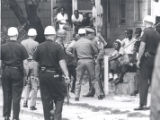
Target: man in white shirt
(128, 56)
(77, 19)
(62, 18)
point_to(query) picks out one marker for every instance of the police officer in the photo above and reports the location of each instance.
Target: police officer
(31, 72)
(50, 57)
(85, 51)
(147, 51)
(12, 55)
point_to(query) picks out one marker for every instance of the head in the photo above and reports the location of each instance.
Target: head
(50, 33)
(91, 33)
(62, 10)
(129, 33)
(158, 27)
(13, 33)
(138, 32)
(32, 33)
(82, 32)
(93, 2)
(76, 12)
(148, 21)
(117, 45)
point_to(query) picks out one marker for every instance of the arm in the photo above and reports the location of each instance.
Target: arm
(141, 52)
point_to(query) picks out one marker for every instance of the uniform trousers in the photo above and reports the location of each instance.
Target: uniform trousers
(53, 89)
(32, 82)
(145, 75)
(12, 84)
(99, 77)
(82, 66)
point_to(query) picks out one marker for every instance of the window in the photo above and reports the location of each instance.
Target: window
(122, 11)
(138, 7)
(149, 7)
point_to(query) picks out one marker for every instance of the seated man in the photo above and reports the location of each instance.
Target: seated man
(77, 19)
(128, 58)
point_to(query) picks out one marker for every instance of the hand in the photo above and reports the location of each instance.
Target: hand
(67, 80)
(138, 63)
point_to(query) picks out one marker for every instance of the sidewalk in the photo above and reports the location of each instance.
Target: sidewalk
(110, 108)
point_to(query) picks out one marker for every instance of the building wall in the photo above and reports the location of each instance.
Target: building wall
(9, 19)
(131, 12)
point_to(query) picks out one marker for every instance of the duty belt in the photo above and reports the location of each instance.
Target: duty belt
(48, 69)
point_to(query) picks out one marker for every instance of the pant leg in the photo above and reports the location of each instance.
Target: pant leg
(72, 72)
(34, 90)
(27, 89)
(58, 109)
(145, 74)
(7, 92)
(98, 80)
(90, 66)
(17, 87)
(47, 101)
(79, 72)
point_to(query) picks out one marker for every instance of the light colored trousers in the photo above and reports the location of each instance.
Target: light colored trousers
(32, 82)
(82, 66)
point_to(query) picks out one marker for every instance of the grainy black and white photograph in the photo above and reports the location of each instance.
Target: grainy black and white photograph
(80, 60)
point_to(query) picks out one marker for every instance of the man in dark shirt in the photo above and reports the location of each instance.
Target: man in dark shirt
(50, 57)
(147, 51)
(12, 55)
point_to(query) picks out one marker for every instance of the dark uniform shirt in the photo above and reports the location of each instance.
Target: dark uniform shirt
(48, 54)
(13, 54)
(151, 37)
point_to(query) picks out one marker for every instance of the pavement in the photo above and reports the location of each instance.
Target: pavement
(113, 107)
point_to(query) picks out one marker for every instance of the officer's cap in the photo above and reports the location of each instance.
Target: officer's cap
(81, 31)
(149, 19)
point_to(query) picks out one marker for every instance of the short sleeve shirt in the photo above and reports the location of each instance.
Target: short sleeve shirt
(79, 19)
(151, 38)
(13, 54)
(48, 54)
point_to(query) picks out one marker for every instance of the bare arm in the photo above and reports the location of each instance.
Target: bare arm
(141, 50)
(63, 66)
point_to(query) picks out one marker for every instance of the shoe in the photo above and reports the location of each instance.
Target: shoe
(100, 97)
(90, 93)
(25, 104)
(33, 108)
(142, 108)
(134, 93)
(76, 99)
(6, 118)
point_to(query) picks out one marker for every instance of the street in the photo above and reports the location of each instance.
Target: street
(113, 107)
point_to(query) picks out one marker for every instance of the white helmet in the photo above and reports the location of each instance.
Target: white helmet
(149, 19)
(32, 32)
(12, 31)
(81, 31)
(50, 30)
